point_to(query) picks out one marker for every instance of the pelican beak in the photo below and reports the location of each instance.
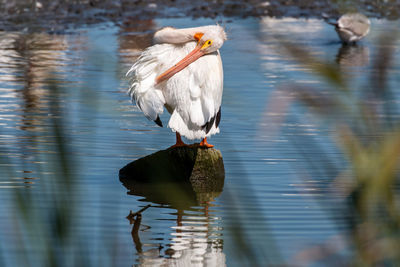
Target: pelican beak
(196, 53)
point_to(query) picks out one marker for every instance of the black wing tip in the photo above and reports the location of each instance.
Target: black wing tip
(218, 118)
(158, 121)
(210, 123)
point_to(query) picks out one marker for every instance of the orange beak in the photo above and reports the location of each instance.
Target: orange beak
(186, 61)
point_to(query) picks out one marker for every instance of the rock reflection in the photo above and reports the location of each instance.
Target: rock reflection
(177, 179)
(353, 55)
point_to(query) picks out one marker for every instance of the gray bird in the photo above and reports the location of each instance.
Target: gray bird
(351, 27)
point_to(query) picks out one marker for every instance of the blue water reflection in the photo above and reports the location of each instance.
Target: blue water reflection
(272, 194)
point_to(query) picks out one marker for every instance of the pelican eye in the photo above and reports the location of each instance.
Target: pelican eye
(207, 44)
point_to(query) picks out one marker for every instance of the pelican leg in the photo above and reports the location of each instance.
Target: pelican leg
(204, 143)
(179, 142)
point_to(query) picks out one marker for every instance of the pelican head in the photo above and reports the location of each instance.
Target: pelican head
(209, 39)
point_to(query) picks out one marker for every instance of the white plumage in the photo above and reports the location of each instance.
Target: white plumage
(352, 27)
(191, 91)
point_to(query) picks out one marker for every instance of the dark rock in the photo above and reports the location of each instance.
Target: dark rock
(181, 177)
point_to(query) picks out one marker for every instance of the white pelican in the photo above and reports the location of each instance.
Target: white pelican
(351, 27)
(182, 72)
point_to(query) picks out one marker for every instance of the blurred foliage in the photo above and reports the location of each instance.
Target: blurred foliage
(367, 129)
(52, 224)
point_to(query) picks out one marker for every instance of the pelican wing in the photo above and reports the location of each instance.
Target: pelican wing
(143, 90)
(206, 91)
(196, 94)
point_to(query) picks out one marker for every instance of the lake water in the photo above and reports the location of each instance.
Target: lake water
(277, 196)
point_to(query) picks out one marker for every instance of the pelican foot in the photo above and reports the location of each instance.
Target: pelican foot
(179, 142)
(204, 144)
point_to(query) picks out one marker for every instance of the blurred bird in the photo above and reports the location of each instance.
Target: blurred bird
(182, 72)
(351, 27)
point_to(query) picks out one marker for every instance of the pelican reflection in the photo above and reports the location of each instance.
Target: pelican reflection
(186, 230)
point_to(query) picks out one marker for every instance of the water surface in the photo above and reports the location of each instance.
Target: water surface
(273, 195)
